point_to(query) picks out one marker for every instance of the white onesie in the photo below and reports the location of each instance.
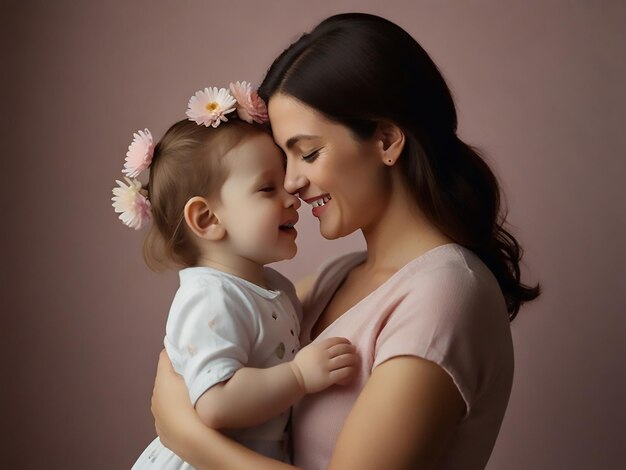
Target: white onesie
(217, 324)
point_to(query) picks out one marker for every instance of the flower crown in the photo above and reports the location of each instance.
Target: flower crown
(208, 107)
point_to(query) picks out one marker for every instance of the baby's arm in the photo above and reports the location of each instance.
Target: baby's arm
(252, 396)
(181, 430)
(211, 333)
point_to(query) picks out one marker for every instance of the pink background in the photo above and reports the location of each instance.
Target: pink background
(539, 87)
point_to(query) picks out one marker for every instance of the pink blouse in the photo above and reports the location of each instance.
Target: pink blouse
(444, 306)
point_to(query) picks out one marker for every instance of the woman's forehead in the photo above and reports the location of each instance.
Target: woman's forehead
(293, 121)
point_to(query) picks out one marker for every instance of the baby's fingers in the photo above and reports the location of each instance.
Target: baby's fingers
(343, 360)
(343, 376)
(341, 348)
(328, 343)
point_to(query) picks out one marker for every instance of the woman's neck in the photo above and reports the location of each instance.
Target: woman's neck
(400, 234)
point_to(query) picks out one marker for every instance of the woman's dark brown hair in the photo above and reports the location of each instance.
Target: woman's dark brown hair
(358, 69)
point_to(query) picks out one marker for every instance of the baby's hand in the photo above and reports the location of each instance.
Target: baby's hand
(320, 365)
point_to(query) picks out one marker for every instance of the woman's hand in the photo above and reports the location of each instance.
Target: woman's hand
(181, 430)
(174, 416)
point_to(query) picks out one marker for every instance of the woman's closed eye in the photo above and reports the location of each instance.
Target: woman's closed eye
(267, 189)
(309, 157)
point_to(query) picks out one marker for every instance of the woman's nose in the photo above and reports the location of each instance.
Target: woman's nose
(294, 181)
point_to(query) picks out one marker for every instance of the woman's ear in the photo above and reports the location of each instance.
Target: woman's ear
(391, 141)
(202, 220)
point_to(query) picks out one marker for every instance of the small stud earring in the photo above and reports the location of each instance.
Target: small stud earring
(389, 162)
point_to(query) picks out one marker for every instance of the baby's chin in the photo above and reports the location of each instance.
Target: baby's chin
(292, 253)
(285, 256)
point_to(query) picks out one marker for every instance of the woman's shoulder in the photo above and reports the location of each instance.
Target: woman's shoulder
(449, 309)
(449, 286)
(450, 267)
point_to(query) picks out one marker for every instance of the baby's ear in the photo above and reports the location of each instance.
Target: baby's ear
(202, 221)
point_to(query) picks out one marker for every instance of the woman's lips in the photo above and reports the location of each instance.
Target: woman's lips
(318, 203)
(317, 211)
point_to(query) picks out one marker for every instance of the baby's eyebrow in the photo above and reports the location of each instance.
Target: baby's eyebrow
(263, 177)
(294, 140)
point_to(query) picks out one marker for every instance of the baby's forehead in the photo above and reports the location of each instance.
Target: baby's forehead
(255, 157)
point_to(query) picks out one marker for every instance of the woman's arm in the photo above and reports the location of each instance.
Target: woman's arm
(181, 430)
(415, 407)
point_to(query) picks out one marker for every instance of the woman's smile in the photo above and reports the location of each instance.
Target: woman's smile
(318, 203)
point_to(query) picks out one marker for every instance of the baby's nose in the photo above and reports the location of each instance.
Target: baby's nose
(293, 201)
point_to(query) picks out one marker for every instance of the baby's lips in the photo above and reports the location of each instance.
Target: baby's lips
(291, 220)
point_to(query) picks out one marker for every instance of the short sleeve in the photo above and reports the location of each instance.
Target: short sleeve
(209, 335)
(450, 320)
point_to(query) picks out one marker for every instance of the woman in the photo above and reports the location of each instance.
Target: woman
(369, 129)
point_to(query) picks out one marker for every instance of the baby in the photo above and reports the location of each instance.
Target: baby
(219, 211)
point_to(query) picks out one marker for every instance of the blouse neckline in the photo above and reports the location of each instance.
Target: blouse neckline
(357, 259)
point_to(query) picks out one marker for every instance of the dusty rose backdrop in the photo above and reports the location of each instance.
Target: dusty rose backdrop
(539, 87)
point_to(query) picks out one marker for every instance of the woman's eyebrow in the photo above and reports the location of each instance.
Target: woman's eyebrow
(293, 140)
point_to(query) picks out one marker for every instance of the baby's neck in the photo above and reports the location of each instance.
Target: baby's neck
(237, 266)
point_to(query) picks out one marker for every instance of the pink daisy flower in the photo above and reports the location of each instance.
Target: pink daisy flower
(130, 201)
(250, 106)
(139, 155)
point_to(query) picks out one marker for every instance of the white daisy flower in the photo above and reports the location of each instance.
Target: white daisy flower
(131, 203)
(210, 106)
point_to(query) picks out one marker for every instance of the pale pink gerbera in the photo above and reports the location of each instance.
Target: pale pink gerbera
(250, 106)
(210, 106)
(139, 155)
(131, 203)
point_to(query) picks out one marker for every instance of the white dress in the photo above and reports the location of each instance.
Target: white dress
(217, 324)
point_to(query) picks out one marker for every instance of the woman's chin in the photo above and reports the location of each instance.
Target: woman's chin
(334, 233)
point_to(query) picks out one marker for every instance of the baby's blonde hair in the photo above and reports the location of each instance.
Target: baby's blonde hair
(187, 162)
